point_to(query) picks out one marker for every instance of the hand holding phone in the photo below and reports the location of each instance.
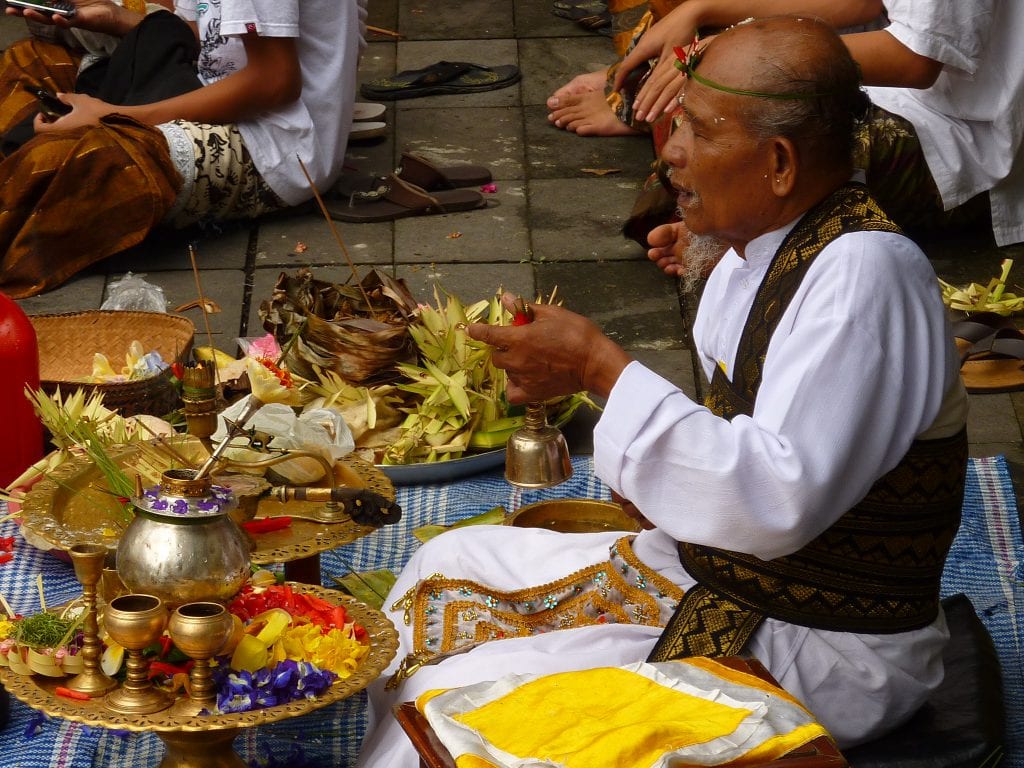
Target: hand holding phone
(49, 104)
(46, 7)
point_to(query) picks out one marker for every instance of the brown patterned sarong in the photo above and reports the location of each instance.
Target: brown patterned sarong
(71, 198)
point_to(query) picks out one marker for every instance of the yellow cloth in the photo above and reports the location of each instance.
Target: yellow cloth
(693, 711)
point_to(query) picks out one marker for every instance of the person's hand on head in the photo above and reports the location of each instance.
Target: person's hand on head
(662, 86)
(556, 354)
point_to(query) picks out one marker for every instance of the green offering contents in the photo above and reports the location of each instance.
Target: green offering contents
(494, 516)
(370, 587)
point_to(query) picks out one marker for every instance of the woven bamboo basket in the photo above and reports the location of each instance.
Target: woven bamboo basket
(68, 342)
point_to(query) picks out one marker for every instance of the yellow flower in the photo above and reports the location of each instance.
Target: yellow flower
(6, 628)
(334, 650)
(270, 383)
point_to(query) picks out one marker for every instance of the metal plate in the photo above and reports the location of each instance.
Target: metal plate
(38, 692)
(70, 507)
(442, 471)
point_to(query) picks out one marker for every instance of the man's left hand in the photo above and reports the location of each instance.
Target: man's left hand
(85, 110)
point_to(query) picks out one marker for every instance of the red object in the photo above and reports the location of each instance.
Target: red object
(67, 693)
(19, 368)
(267, 524)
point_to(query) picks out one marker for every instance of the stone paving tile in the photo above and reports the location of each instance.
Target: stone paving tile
(487, 136)
(498, 233)
(548, 63)
(467, 19)
(632, 303)
(556, 154)
(309, 239)
(580, 220)
(469, 282)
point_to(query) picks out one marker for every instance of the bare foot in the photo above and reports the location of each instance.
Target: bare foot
(589, 114)
(590, 81)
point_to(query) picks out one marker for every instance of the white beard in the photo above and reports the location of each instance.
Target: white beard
(701, 255)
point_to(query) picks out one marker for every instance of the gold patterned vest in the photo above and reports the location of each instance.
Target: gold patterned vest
(877, 569)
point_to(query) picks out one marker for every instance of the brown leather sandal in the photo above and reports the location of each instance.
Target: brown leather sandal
(423, 173)
(386, 198)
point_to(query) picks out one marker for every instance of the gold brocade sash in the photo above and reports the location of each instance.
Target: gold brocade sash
(877, 569)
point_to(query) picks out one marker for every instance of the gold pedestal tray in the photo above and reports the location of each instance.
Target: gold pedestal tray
(69, 507)
(205, 741)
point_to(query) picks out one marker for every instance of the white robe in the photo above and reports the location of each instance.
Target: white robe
(971, 121)
(860, 365)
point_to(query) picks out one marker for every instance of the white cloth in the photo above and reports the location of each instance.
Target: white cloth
(315, 127)
(971, 121)
(861, 363)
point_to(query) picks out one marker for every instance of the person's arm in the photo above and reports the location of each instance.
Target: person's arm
(93, 15)
(270, 79)
(884, 60)
(679, 27)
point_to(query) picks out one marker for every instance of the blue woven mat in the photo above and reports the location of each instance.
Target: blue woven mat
(984, 564)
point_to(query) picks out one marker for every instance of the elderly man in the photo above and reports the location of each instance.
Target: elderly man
(803, 515)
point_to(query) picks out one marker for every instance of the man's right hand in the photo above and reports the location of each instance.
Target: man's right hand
(93, 15)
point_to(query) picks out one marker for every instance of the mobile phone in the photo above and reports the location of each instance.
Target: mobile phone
(49, 7)
(49, 104)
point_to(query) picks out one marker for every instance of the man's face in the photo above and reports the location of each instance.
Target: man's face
(718, 169)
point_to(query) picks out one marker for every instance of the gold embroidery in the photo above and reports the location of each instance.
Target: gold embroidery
(447, 614)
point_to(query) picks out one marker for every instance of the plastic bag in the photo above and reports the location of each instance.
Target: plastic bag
(132, 292)
(319, 431)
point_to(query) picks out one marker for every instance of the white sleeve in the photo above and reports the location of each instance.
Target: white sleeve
(953, 33)
(856, 369)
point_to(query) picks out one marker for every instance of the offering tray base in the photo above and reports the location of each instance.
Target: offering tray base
(200, 741)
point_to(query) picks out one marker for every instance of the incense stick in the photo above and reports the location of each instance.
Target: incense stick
(334, 230)
(202, 307)
(381, 31)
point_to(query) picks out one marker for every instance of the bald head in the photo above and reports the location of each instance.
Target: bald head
(808, 70)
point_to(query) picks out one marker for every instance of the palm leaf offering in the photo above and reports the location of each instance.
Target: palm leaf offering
(449, 402)
(360, 332)
(992, 297)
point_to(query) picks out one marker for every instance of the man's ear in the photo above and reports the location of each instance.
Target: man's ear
(783, 166)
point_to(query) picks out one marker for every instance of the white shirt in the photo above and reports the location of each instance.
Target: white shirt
(971, 121)
(315, 127)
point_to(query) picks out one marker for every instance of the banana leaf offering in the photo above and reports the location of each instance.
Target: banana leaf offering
(358, 331)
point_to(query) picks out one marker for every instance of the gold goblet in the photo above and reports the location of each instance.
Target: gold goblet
(88, 561)
(135, 622)
(199, 630)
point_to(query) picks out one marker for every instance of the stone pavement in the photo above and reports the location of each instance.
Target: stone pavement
(554, 220)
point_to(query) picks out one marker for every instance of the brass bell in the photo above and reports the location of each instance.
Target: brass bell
(537, 455)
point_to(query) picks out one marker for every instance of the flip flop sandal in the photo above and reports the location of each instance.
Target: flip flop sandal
(977, 327)
(573, 11)
(597, 22)
(367, 130)
(440, 78)
(363, 111)
(389, 198)
(424, 174)
(994, 364)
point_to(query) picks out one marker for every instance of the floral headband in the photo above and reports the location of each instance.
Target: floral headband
(688, 59)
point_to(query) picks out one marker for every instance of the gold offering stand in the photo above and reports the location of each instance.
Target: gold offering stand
(68, 507)
(204, 741)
